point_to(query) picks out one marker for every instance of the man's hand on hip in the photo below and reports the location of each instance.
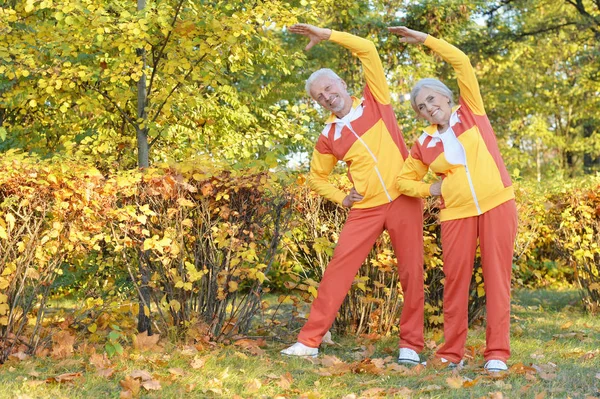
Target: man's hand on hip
(351, 198)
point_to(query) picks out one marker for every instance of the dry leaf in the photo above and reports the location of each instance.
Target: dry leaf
(177, 371)
(327, 339)
(141, 374)
(373, 393)
(541, 395)
(253, 385)
(566, 325)
(130, 384)
(198, 362)
(252, 346)
(455, 382)
(143, 342)
(66, 377)
(285, 381)
(62, 345)
(126, 395)
(151, 385)
(18, 356)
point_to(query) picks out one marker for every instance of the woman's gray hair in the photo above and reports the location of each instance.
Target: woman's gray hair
(316, 75)
(433, 84)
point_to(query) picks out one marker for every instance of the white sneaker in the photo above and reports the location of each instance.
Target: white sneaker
(299, 349)
(495, 366)
(408, 356)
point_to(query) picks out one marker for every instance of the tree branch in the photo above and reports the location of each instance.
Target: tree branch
(177, 86)
(114, 104)
(156, 60)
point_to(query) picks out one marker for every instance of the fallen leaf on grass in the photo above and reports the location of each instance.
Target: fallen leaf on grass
(143, 342)
(252, 346)
(455, 382)
(327, 339)
(139, 378)
(285, 381)
(177, 371)
(131, 385)
(198, 362)
(66, 377)
(373, 393)
(253, 386)
(151, 385)
(430, 388)
(18, 356)
(566, 325)
(540, 395)
(546, 372)
(102, 364)
(62, 345)
(365, 352)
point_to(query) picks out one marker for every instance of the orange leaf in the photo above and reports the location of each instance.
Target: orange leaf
(143, 342)
(130, 384)
(62, 345)
(67, 377)
(285, 381)
(455, 382)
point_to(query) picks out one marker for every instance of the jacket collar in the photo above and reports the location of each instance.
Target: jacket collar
(334, 119)
(432, 130)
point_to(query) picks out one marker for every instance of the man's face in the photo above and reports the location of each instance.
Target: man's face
(331, 94)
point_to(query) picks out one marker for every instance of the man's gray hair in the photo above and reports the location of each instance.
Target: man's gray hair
(433, 84)
(316, 75)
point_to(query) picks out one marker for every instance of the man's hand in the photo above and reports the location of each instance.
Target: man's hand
(314, 33)
(351, 198)
(408, 35)
(436, 188)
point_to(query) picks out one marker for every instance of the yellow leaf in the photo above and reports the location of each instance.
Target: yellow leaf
(185, 202)
(92, 328)
(233, 286)
(480, 291)
(175, 305)
(3, 233)
(313, 291)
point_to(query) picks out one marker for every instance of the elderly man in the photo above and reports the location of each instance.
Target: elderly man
(363, 133)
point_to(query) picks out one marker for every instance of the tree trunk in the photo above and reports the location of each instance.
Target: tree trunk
(144, 323)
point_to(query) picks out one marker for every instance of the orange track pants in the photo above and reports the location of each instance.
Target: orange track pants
(496, 230)
(403, 219)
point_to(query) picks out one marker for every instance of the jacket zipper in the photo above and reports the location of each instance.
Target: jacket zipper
(374, 159)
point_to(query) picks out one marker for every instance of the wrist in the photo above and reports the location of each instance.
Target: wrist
(325, 33)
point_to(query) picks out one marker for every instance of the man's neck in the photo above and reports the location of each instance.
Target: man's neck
(344, 111)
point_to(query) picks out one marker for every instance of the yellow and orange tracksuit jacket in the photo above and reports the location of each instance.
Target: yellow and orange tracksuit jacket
(371, 142)
(466, 156)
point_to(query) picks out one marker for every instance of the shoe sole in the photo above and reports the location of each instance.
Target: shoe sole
(496, 370)
(409, 362)
(285, 354)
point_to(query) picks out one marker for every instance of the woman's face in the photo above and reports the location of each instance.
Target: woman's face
(433, 106)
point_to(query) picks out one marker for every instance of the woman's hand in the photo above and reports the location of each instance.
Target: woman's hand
(408, 35)
(351, 198)
(314, 33)
(436, 188)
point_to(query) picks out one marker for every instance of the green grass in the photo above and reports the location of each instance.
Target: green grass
(550, 334)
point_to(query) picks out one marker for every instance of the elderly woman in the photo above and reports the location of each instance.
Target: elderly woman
(477, 200)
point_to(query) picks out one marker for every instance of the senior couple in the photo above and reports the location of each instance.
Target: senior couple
(477, 198)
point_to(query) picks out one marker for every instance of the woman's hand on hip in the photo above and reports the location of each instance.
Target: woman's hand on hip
(436, 188)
